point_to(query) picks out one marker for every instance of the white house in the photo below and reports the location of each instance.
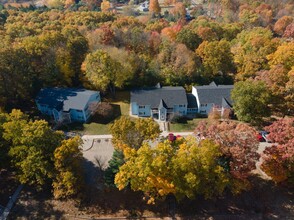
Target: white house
(160, 103)
(212, 96)
(67, 104)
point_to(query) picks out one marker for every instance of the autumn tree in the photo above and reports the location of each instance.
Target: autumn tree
(278, 159)
(177, 64)
(68, 180)
(105, 5)
(132, 133)
(238, 145)
(282, 23)
(250, 49)
(154, 7)
(178, 11)
(251, 101)
(216, 57)
(32, 147)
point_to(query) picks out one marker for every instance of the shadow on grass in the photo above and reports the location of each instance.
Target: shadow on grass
(264, 200)
(34, 205)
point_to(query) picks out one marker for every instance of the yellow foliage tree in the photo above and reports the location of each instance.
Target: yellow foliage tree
(67, 162)
(105, 5)
(154, 7)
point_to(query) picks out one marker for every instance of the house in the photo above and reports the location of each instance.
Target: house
(212, 96)
(160, 103)
(67, 105)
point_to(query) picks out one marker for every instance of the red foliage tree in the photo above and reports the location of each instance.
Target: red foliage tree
(237, 142)
(278, 160)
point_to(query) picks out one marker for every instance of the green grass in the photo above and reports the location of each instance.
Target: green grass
(182, 127)
(121, 106)
(95, 128)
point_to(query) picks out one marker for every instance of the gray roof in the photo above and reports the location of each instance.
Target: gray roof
(170, 95)
(192, 103)
(214, 94)
(162, 104)
(65, 98)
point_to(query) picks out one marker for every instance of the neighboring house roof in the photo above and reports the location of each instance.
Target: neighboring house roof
(192, 103)
(64, 98)
(170, 95)
(213, 93)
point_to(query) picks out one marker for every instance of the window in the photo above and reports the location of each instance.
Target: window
(79, 110)
(181, 105)
(141, 106)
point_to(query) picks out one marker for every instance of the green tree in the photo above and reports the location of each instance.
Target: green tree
(251, 101)
(104, 72)
(189, 38)
(114, 164)
(68, 180)
(132, 133)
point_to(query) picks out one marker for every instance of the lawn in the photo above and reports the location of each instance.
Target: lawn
(121, 106)
(190, 125)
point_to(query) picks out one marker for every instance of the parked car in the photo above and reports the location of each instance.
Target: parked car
(264, 135)
(259, 137)
(171, 137)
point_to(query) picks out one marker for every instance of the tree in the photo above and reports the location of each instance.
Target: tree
(154, 7)
(114, 164)
(238, 145)
(276, 80)
(282, 23)
(284, 55)
(32, 147)
(132, 133)
(184, 168)
(216, 57)
(251, 101)
(104, 72)
(105, 5)
(177, 64)
(68, 180)
(250, 49)
(278, 159)
(178, 11)
(189, 38)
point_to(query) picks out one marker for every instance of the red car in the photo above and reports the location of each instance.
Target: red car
(171, 137)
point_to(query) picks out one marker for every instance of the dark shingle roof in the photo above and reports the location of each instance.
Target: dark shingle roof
(64, 98)
(162, 104)
(192, 103)
(214, 93)
(170, 95)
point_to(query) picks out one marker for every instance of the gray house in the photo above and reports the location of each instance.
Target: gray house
(66, 105)
(159, 103)
(212, 96)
